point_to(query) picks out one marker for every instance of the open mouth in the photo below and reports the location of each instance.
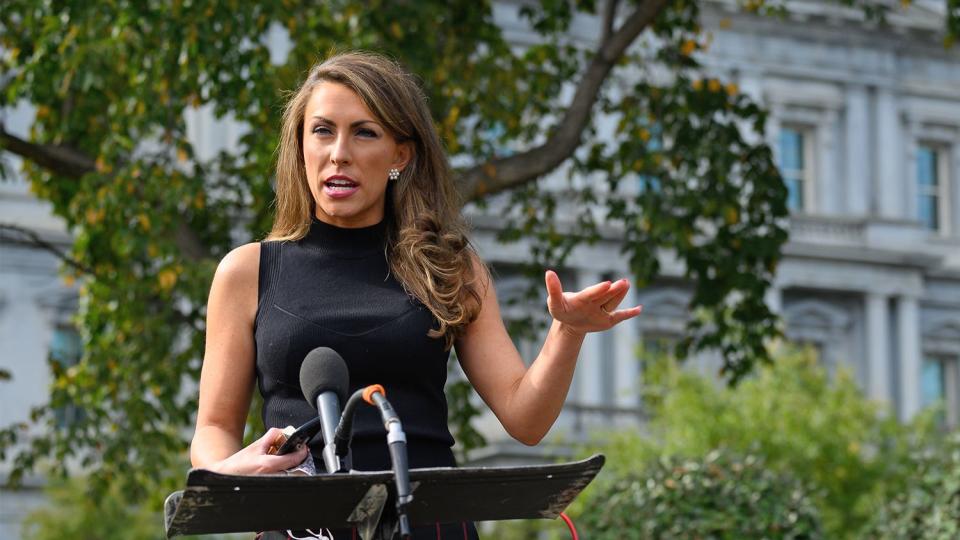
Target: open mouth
(340, 185)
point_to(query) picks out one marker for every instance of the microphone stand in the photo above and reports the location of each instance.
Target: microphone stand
(344, 432)
(396, 439)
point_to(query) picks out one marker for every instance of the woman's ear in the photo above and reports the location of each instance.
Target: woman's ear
(403, 155)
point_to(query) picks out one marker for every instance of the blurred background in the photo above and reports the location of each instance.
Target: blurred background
(780, 180)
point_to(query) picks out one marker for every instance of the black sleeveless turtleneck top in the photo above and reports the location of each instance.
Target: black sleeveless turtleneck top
(334, 289)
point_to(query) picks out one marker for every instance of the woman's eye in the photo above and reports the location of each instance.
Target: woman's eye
(321, 130)
(366, 133)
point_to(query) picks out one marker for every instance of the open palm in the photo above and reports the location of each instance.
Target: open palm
(593, 309)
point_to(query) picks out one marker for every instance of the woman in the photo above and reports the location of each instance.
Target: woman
(369, 256)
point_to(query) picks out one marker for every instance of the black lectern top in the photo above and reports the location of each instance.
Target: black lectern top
(216, 503)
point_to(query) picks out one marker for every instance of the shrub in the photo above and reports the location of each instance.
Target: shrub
(801, 421)
(929, 509)
(719, 497)
(71, 512)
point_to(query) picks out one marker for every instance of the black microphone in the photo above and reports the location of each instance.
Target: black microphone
(325, 382)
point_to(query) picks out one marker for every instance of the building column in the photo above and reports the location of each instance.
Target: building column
(626, 363)
(908, 334)
(954, 188)
(889, 188)
(857, 136)
(773, 129)
(827, 190)
(590, 365)
(878, 341)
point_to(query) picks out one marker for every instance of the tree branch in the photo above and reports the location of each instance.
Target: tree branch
(506, 173)
(60, 160)
(36, 241)
(71, 163)
(609, 15)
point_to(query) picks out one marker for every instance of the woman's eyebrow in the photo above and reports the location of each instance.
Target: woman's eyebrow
(352, 124)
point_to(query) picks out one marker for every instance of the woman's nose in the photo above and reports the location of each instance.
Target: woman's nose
(340, 153)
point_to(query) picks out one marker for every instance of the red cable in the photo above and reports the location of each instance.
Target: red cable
(569, 522)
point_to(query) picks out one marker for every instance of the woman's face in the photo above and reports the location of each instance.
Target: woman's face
(347, 155)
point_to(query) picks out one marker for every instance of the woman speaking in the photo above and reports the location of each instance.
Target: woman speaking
(369, 256)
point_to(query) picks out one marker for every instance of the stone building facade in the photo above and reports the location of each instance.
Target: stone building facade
(865, 126)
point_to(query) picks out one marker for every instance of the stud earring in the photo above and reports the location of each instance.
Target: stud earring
(393, 174)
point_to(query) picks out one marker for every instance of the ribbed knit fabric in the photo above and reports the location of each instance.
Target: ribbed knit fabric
(334, 289)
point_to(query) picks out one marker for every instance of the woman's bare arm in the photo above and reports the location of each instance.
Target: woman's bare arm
(527, 401)
(227, 376)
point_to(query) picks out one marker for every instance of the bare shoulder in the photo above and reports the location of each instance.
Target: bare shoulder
(235, 283)
(240, 265)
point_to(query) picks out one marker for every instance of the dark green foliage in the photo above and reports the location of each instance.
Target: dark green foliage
(720, 496)
(461, 412)
(929, 507)
(800, 420)
(802, 423)
(71, 512)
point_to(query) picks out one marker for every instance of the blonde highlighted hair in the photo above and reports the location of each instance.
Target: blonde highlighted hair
(427, 243)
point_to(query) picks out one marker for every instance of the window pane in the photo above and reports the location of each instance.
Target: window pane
(927, 166)
(931, 382)
(928, 193)
(792, 166)
(65, 348)
(791, 150)
(794, 193)
(927, 209)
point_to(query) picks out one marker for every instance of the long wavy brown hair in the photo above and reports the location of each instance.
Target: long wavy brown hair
(428, 250)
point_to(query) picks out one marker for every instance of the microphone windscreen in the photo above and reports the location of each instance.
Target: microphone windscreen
(323, 370)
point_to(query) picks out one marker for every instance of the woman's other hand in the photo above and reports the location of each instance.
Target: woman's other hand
(257, 459)
(593, 309)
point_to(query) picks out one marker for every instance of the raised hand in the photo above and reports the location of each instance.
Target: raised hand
(593, 309)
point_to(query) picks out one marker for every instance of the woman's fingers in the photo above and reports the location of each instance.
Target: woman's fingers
(273, 439)
(616, 294)
(583, 308)
(612, 302)
(270, 463)
(591, 293)
(623, 314)
(554, 288)
(596, 292)
(267, 447)
(259, 456)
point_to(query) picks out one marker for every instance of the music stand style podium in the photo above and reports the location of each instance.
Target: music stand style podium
(217, 503)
